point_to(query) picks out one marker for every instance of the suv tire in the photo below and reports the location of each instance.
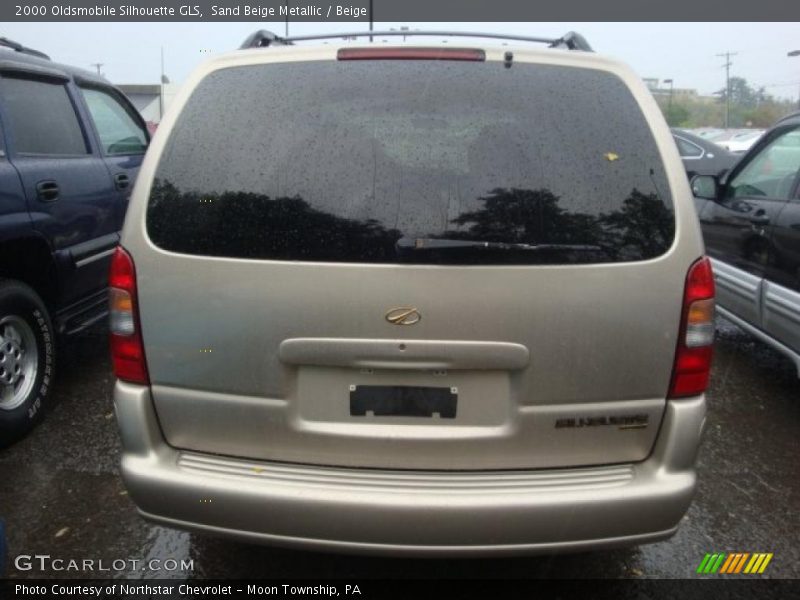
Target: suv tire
(27, 359)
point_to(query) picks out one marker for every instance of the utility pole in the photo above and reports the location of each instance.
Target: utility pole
(286, 32)
(370, 20)
(97, 66)
(727, 66)
(669, 102)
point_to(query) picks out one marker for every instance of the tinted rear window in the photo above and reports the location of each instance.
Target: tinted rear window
(414, 162)
(42, 117)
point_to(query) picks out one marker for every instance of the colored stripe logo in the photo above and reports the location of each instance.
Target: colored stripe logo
(735, 563)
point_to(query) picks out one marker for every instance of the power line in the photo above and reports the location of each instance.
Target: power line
(727, 67)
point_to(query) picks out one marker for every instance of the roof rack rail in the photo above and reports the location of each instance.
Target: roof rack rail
(264, 38)
(20, 48)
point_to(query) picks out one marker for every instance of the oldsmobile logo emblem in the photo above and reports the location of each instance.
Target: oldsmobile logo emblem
(403, 315)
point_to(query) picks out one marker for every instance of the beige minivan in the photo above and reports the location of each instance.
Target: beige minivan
(425, 298)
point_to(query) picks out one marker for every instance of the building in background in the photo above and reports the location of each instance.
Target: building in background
(151, 100)
(659, 88)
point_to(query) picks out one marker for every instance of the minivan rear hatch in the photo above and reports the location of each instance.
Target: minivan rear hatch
(422, 264)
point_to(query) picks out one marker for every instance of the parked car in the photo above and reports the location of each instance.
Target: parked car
(751, 225)
(707, 132)
(70, 148)
(413, 299)
(741, 141)
(701, 157)
(718, 135)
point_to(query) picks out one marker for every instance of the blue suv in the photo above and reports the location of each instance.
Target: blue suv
(70, 148)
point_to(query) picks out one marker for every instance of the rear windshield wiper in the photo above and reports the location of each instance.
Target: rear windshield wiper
(408, 243)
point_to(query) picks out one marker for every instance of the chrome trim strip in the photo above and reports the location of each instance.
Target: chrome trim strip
(783, 301)
(761, 336)
(94, 257)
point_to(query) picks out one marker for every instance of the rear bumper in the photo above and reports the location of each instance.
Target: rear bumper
(413, 512)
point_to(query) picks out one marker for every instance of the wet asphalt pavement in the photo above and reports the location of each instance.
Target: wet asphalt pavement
(60, 492)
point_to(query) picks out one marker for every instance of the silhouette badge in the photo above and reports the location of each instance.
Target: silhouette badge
(403, 315)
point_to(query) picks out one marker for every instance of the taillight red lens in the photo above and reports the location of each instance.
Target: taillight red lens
(692, 364)
(699, 281)
(411, 54)
(127, 349)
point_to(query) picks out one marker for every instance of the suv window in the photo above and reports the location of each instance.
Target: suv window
(772, 172)
(118, 130)
(396, 161)
(42, 117)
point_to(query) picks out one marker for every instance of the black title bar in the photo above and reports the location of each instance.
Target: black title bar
(377, 589)
(362, 11)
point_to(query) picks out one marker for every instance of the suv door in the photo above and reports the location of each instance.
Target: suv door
(737, 227)
(13, 210)
(781, 314)
(123, 139)
(67, 185)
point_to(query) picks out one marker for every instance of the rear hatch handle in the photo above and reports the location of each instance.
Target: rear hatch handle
(406, 354)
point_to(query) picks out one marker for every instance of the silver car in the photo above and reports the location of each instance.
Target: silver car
(414, 298)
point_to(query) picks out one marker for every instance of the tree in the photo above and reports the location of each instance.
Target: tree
(765, 114)
(749, 107)
(742, 95)
(676, 115)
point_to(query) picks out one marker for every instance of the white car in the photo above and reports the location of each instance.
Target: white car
(742, 141)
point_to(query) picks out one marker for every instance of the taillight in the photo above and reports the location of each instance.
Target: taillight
(693, 355)
(127, 349)
(411, 54)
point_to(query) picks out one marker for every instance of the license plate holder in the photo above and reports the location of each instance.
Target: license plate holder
(403, 401)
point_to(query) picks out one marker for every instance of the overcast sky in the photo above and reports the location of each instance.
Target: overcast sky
(684, 52)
